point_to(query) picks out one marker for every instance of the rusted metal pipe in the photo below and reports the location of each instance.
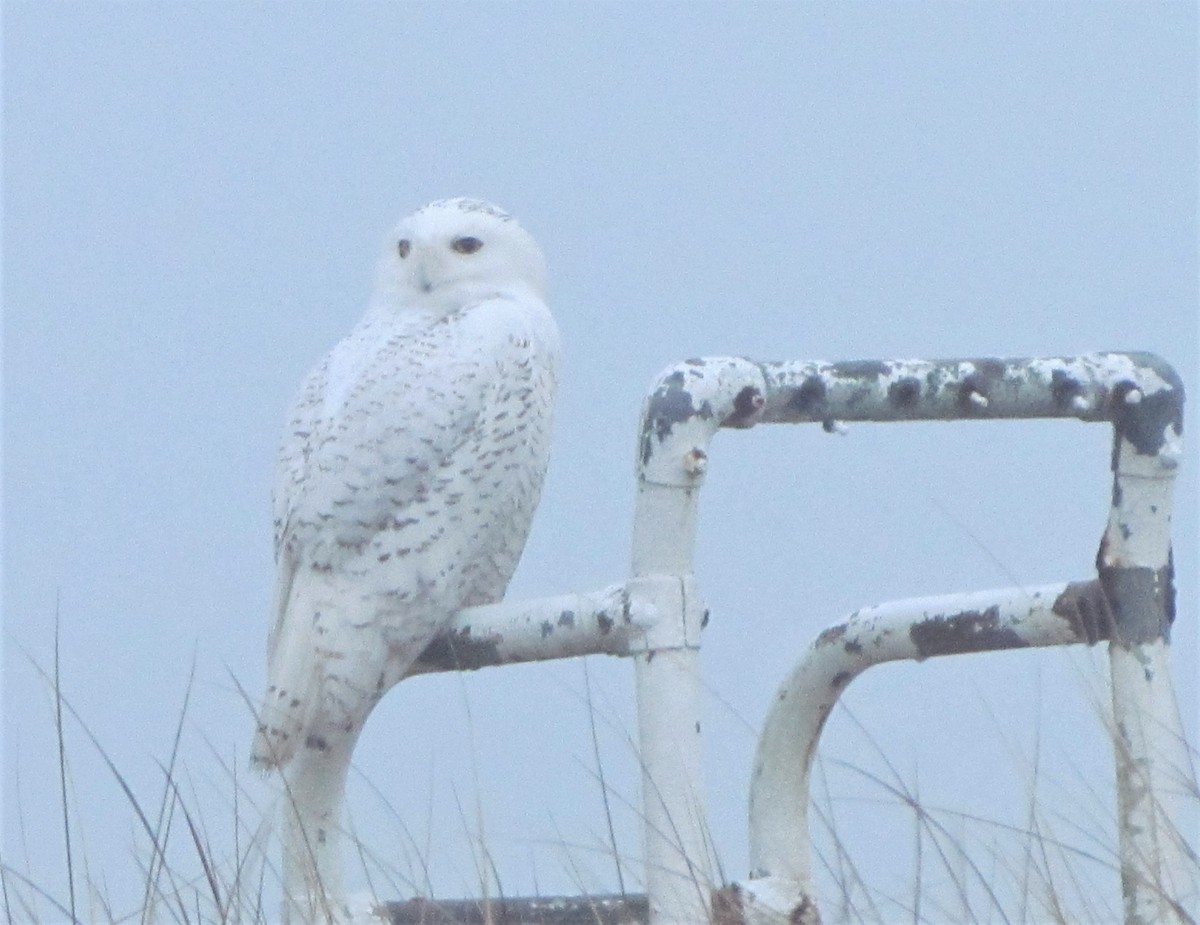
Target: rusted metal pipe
(1138, 393)
(1090, 387)
(684, 409)
(1155, 776)
(596, 623)
(780, 886)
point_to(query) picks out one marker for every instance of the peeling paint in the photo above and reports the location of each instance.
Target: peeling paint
(862, 369)
(1142, 602)
(747, 409)
(1065, 388)
(1139, 393)
(461, 652)
(969, 631)
(1085, 607)
(1145, 423)
(1008, 618)
(808, 399)
(905, 393)
(979, 389)
(1133, 599)
(970, 391)
(988, 370)
(549, 628)
(670, 404)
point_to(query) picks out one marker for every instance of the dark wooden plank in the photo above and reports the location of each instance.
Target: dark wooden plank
(542, 910)
(551, 910)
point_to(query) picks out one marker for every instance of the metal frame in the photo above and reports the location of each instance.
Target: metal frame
(658, 615)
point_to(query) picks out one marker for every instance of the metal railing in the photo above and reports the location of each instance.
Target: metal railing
(657, 616)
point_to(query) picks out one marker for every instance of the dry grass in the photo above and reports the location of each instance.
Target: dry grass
(1054, 867)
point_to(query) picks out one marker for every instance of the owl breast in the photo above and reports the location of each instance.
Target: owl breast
(432, 452)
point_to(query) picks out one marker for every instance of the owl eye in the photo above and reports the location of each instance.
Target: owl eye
(404, 246)
(466, 245)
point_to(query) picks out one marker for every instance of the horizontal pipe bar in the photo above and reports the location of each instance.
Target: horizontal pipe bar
(592, 623)
(1138, 392)
(1114, 387)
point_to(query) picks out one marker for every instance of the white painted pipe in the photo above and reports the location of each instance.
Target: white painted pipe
(780, 886)
(594, 623)
(687, 406)
(1155, 777)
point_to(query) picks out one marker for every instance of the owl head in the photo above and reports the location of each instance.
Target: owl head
(455, 251)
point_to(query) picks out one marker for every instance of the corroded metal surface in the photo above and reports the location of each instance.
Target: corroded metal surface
(1139, 393)
(597, 623)
(683, 411)
(1092, 387)
(1155, 773)
(1132, 605)
(780, 881)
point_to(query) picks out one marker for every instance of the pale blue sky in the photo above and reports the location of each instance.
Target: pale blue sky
(193, 198)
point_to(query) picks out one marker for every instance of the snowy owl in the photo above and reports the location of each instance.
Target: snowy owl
(409, 472)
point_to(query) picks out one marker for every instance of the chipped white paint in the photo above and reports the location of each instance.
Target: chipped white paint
(1127, 366)
(891, 390)
(695, 462)
(604, 622)
(1155, 784)
(691, 399)
(1138, 533)
(780, 867)
(1155, 775)
(683, 412)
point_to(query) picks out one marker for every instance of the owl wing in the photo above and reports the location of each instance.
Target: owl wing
(377, 423)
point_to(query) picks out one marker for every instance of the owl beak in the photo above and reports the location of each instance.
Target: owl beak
(424, 279)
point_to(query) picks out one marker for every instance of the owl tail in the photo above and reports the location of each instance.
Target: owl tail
(294, 670)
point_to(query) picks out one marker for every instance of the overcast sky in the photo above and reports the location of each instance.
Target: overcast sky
(194, 195)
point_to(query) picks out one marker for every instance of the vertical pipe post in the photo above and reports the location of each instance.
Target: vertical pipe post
(682, 413)
(679, 879)
(667, 676)
(1153, 764)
